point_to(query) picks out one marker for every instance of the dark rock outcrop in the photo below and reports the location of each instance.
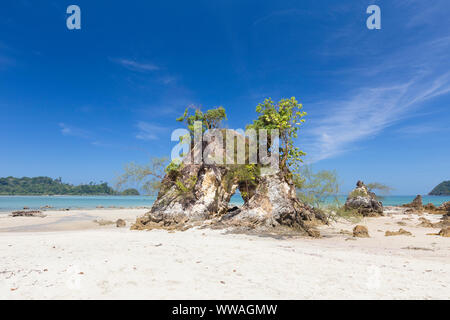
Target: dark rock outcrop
(416, 203)
(38, 214)
(364, 201)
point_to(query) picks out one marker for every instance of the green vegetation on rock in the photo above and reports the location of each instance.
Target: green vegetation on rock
(442, 189)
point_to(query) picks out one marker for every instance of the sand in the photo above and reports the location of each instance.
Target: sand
(67, 256)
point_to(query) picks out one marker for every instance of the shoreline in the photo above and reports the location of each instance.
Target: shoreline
(15, 203)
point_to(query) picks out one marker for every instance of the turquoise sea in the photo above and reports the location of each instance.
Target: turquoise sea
(9, 203)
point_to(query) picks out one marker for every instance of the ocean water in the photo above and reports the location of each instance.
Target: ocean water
(10, 203)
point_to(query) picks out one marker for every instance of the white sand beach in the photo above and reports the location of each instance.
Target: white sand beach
(67, 256)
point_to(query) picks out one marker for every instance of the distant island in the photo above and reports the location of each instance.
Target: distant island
(442, 189)
(49, 186)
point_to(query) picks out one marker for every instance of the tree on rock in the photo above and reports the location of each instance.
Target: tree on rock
(198, 191)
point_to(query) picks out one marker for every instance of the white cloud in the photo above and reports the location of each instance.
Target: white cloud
(367, 113)
(136, 66)
(68, 130)
(148, 131)
(383, 93)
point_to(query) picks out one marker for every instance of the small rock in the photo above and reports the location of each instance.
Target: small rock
(120, 223)
(314, 233)
(361, 232)
(103, 222)
(398, 233)
(425, 223)
(445, 232)
(28, 214)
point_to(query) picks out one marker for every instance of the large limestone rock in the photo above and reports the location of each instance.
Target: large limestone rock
(274, 203)
(197, 192)
(194, 192)
(364, 201)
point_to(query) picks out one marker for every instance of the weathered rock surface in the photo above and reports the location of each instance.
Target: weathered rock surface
(38, 214)
(425, 223)
(400, 232)
(364, 201)
(360, 232)
(445, 232)
(197, 192)
(430, 207)
(274, 203)
(445, 206)
(120, 223)
(416, 203)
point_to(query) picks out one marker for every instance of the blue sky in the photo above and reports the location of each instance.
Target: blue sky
(79, 104)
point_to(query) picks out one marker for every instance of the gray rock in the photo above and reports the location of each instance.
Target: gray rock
(275, 203)
(364, 201)
(120, 223)
(38, 214)
(416, 203)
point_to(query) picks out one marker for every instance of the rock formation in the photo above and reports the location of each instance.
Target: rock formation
(445, 206)
(360, 232)
(120, 223)
(274, 202)
(36, 213)
(400, 232)
(445, 232)
(197, 192)
(416, 203)
(364, 201)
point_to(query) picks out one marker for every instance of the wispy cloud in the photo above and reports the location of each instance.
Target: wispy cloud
(68, 130)
(400, 85)
(149, 131)
(421, 129)
(135, 65)
(367, 113)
